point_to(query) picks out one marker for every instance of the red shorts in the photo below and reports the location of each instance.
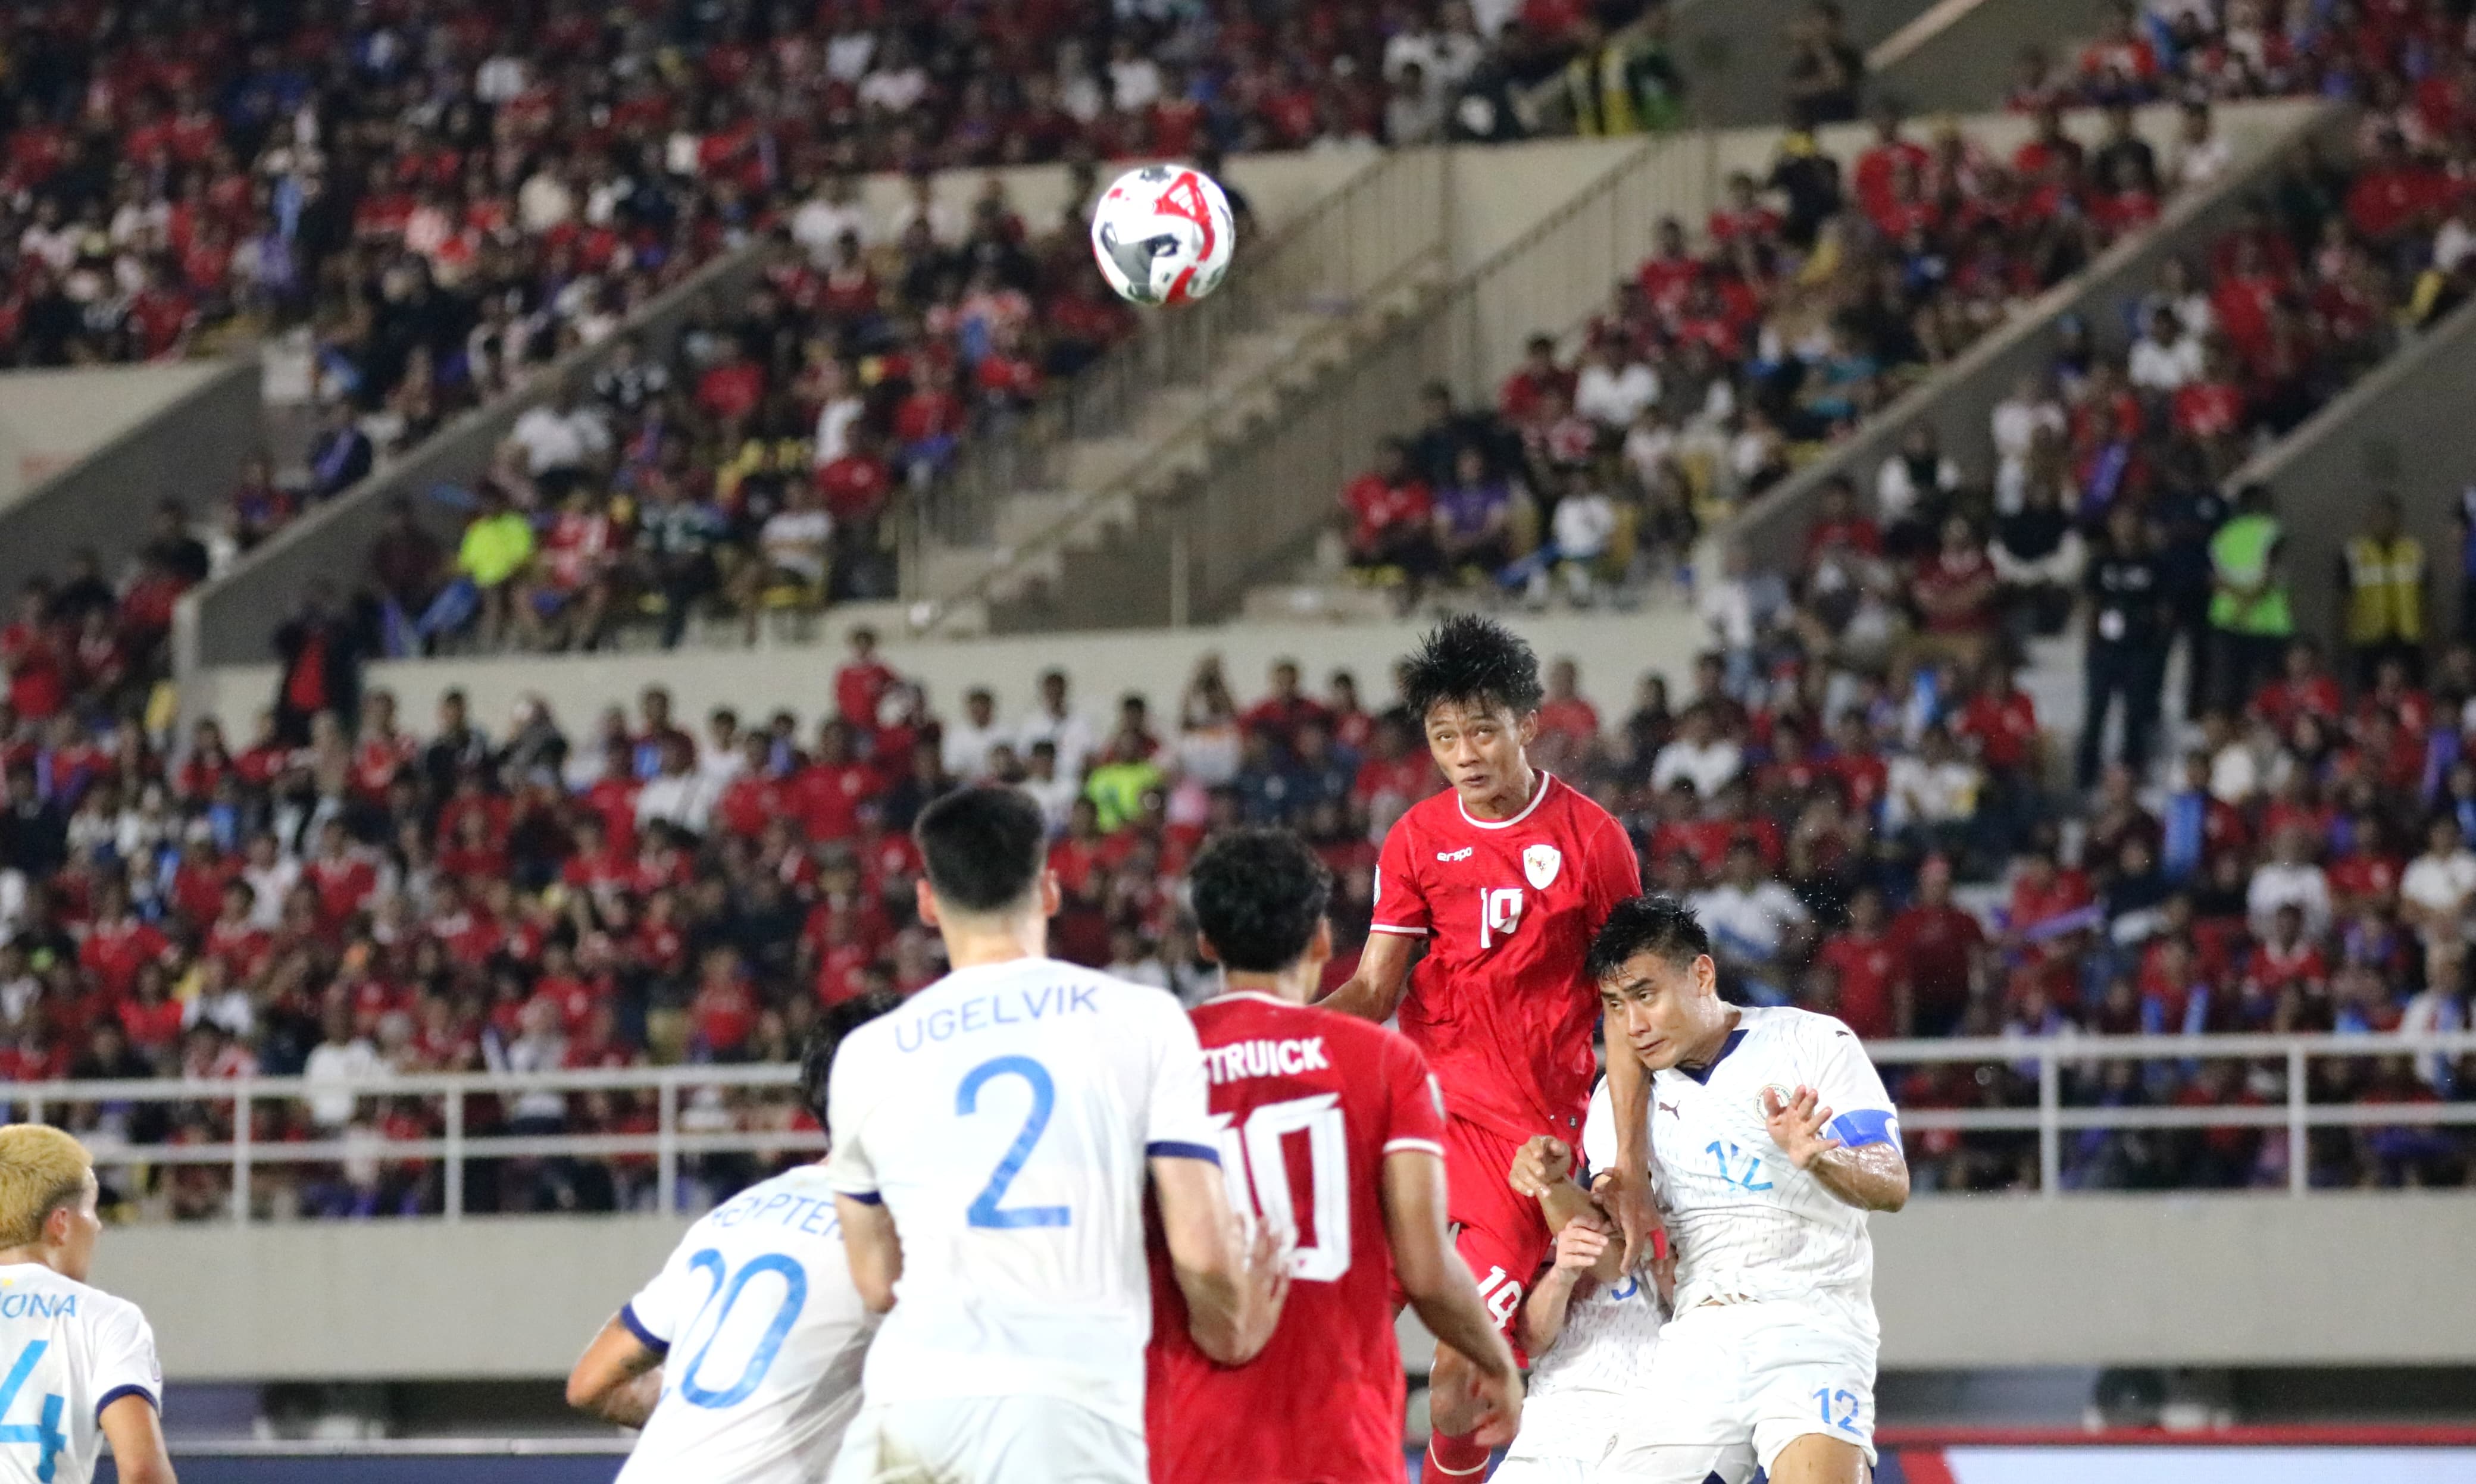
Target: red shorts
(1502, 1235)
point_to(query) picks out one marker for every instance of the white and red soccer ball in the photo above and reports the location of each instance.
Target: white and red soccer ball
(1163, 235)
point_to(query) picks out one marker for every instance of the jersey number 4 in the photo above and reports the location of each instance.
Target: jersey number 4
(1255, 1156)
(45, 1434)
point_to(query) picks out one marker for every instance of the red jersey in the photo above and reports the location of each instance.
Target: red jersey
(1500, 1005)
(1309, 1104)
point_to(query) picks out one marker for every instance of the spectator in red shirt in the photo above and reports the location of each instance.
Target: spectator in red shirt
(1955, 589)
(1519, 400)
(1390, 520)
(1862, 956)
(862, 682)
(1937, 947)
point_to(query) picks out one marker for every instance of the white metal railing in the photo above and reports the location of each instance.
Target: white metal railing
(2047, 1060)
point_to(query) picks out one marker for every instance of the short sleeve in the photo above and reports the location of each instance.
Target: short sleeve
(662, 1307)
(1413, 1101)
(125, 1363)
(1177, 1120)
(1598, 1132)
(1615, 865)
(1400, 903)
(848, 1168)
(1845, 1082)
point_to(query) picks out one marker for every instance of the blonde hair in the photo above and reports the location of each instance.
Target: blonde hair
(41, 1169)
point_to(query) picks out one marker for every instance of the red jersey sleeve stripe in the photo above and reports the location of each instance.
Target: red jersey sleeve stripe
(1395, 928)
(1423, 1145)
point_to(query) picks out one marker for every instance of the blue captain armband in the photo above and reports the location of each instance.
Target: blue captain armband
(1865, 1125)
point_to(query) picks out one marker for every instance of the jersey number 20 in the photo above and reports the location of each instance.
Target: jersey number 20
(1253, 1155)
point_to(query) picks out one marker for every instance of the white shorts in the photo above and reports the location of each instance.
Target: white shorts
(989, 1439)
(1752, 1377)
(1565, 1436)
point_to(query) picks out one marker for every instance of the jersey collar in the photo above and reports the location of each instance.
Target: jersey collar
(1249, 994)
(1547, 781)
(1703, 1076)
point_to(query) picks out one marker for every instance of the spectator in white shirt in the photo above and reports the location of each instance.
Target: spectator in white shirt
(2164, 358)
(2200, 155)
(1134, 79)
(1612, 391)
(335, 1063)
(2288, 878)
(1056, 722)
(678, 795)
(561, 440)
(1698, 755)
(2438, 1008)
(896, 83)
(1755, 925)
(964, 745)
(2439, 886)
(1931, 793)
(1048, 785)
(2457, 238)
(1918, 473)
(821, 221)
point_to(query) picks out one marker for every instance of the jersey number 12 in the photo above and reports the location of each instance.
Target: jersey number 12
(1254, 1154)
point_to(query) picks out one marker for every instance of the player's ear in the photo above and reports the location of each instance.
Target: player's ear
(1051, 895)
(1706, 974)
(1319, 947)
(924, 902)
(1527, 728)
(1205, 949)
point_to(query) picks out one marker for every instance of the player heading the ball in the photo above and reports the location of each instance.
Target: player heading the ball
(993, 1137)
(1505, 876)
(1334, 1128)
(77, 1364)
(741, 1359)
(1774, 1139)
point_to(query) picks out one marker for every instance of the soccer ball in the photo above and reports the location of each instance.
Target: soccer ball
(1163, 235)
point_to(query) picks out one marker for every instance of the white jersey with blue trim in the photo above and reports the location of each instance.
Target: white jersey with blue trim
(1746, 1223)
(761, 1334)
(66, 1352)
(1603, 1355)
(1003, 1116)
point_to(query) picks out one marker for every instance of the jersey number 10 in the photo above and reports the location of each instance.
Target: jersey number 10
(1255, 1155)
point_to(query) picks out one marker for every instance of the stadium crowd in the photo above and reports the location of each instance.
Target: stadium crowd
(1815, 295)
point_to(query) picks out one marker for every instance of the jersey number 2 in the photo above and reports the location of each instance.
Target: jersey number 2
(44, 1434)
(985, 1209)
(1253, 1155)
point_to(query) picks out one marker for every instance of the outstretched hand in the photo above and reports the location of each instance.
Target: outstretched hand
(1540, 1165)
(1797, 1126)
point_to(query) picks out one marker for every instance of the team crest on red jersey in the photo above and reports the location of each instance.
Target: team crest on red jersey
(1540, 863)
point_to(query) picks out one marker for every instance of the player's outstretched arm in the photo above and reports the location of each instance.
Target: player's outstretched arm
(136, 1438)
(1627, 1193)
(618, 1378)
(1234, 1289)
(874, 1250)
(1374, 992)
(1874, 1176)
(1439, 1287)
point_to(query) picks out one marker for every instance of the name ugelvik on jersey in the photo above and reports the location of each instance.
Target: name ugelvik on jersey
(1006, 1007)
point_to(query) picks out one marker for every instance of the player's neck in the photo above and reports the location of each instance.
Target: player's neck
(1295, 985)
(977, 942)
(34, 1252)
(1707, 1050)
(1510, 799)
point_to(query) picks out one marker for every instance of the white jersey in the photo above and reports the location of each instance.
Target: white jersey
(66, 1352)
(1602, 1358)
(761, 1334)
(1003, 1116)
(1746, 1223)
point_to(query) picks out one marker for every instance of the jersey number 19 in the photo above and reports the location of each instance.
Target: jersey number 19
(1253, 1155)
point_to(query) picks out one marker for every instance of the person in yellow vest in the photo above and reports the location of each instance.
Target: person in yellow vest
(2250, 616)
(2382, 577)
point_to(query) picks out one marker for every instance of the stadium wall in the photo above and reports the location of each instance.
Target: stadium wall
(2227, 1280)
(1612, 652)
(85, 456)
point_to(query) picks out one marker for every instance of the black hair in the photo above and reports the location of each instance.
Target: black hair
(983, 847)
(1648, 923)
(1474, 662)
(827, 1037)
(1258, 896)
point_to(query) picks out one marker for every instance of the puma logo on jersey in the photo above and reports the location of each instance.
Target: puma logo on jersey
(1265, 1058)
(1463, 853)
(1670, 1109)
